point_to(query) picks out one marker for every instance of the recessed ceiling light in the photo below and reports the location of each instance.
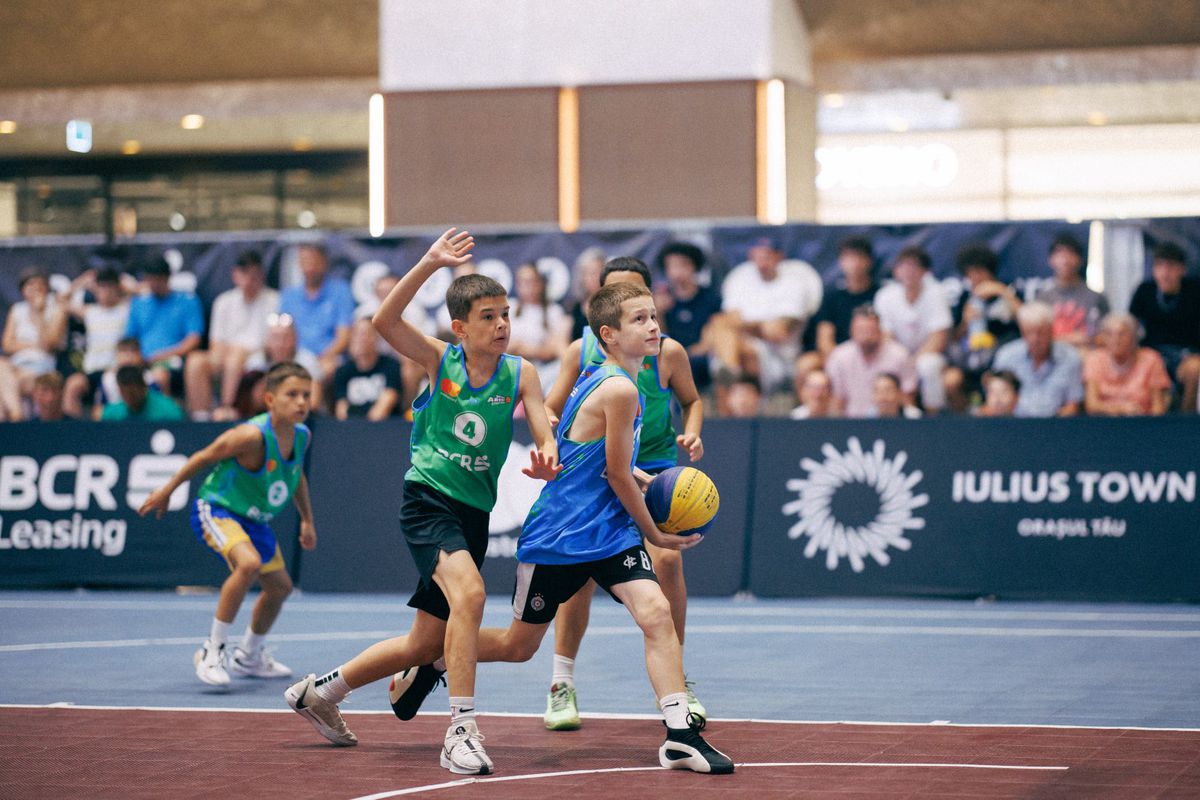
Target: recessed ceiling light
(192, 122)
(8, 126)
(897, 124)
(1097, 118)
(302, 144)
(131, 147)
(833, 100)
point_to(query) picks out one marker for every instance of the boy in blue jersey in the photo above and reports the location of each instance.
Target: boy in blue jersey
(663, 375)
(257, 467)
(589, 523)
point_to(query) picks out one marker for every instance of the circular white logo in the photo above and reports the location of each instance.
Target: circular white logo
(470, 428)
(855, 504)
(277, 493)
(537, 603)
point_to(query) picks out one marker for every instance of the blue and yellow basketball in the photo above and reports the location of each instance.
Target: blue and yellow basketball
(682, 500)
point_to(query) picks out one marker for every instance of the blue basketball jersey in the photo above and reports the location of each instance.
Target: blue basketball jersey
(578, 517)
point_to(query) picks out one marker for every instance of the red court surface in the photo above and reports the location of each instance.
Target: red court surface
(128, 753)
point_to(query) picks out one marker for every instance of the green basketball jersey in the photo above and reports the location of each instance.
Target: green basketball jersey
(258, 495)
(658, 449)
(461, 434)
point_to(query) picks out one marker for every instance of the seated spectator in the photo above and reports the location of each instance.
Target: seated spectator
(282, 344)
(1122, 379)
(765, 302)
(585, 283)
(105, 322)
(1002, 391)
(1077, 309)
(1050, 371)
(538, 328)
(99, 389)
(685, 307)
(853, 365)
(368, 384)
(985, 317)
(237, 330)
(323, 309)
(914, 312)
(816, 397)
(745, 398)
(856, 286)
(249, 400)
(138, 401)
(48, 397)
(412, 374)
(1168, 306)
(35, 331)
(167, 324)
(889, 400)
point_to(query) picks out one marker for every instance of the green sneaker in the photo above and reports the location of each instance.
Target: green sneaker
(695, 707)
(562, 714)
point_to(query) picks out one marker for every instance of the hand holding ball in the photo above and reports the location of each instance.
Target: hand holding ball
(683, 501)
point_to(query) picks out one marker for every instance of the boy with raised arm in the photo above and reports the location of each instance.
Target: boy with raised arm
(462, 429)
(257, 467)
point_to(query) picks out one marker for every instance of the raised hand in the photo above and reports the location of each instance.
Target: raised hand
(541, 467)
(452, 249)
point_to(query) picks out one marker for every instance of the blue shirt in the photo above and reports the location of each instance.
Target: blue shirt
(578, 517)
(319, 317)
(1050, 386)
(161, 322)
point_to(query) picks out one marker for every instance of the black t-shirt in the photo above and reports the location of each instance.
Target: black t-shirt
(837, 307)
(361, 389)
(1173, 320)
(687, 318)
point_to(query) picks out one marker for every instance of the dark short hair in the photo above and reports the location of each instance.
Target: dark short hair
(914, 253)
(1068, 241)
(1169, 251)
(131, 376)
(129, 342)
(249, 258)
(32, 274)
(890, 376)
(1009, 377)
(280, 372)
(689, 251)
(108, 275)
(626, 264)
(857, 244)
(977, 255)
(49, 380)
(466, 289)
(605, 306)
(749, 380)
(157, 265)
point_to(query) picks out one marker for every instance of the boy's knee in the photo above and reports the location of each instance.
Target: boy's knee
(247, 567)
(654, 615)
(469, 596)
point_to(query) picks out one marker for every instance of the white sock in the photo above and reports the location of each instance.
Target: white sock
(564, 671)
(252, 642)
(461, 708)
(219, 634)
(332, 686)
(440, 664)
(675, 710)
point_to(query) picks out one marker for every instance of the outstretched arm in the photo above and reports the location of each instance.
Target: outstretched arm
(244, 440)
(450, 250)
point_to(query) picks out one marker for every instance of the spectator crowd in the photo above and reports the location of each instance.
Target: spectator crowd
(770, 338)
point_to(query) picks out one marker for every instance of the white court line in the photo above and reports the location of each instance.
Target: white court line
(630, 630)
(608, 715)
(170, 602)
(566, 773)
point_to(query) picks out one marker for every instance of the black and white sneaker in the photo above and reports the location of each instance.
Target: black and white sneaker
(408, 689)
(463, 753)
(686, 749)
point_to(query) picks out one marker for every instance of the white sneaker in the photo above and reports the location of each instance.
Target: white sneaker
(463, 752)
(323, 715)
(210, 664)
(257, 665)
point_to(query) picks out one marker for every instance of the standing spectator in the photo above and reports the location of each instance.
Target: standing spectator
(1122, 379)
(889, 400)
(35, 330)
(368, 384)
(1168, 306)
(138, 401)
(105, 322)
(853, 365)
(238, 328)
(985, 317)
(1002, 392)
(168, 325)
(1050, 371)
(48, 397)
(685, 307)
(538, 328)
(856, 287)
(323, 309)
(1077, 309)
(816, 397)
(915, 313)
(766, 302)
(586, 283)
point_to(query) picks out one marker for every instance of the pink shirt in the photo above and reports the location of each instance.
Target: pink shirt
(852, 376)
(1136, 382)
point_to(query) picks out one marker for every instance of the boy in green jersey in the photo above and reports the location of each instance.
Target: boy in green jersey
(257, 467)
(661, 375)
(462, 429)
